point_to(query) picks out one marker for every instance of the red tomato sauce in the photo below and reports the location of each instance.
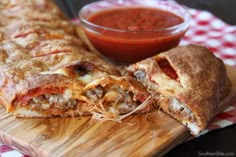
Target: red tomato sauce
(136, 39)
(135, 19)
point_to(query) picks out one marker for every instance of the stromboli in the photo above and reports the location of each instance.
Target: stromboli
(44, 66)
(47, 71)
(190, 83)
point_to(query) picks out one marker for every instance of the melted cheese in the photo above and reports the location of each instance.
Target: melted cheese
(164, 82)
(177, 106)
(67, 94)
(86, 78)
(193, 127)
(59, 71)
(89, 77)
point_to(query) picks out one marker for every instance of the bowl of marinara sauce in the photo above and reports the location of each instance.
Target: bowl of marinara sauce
(128, 31)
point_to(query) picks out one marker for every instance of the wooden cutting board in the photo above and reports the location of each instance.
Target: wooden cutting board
(139, 135)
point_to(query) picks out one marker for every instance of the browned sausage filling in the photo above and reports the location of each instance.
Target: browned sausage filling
(55, 101)
(49, 101)
(113, 99)
(179, 109)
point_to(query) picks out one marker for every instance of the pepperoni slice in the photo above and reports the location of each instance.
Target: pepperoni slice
(167, 69)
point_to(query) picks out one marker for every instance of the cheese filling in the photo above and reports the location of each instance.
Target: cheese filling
(55, 101)
(112, 99)
(98, 99)
(179, 108)
(187, 117)
(52, 101)
(142, 76)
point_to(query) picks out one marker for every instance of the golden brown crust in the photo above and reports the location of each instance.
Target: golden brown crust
(201, 84)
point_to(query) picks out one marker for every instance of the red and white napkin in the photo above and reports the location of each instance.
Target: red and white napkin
(219, 37)
(208, 30)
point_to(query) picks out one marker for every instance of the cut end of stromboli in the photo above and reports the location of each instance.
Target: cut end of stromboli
(179, 111)
(106, 98)
(190, 83)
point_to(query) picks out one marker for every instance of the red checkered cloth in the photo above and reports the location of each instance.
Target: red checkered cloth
(208, 30)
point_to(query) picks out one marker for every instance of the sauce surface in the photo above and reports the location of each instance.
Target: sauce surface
(139, 42)
(135, 19)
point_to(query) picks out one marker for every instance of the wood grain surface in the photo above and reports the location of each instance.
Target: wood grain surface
(138, 135)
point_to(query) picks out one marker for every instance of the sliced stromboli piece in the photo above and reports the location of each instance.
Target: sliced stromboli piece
(65, 94)
(47, 71)
(190, 83)
(42, 96)
(107, 98)
(112, 96)
(50, 78)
